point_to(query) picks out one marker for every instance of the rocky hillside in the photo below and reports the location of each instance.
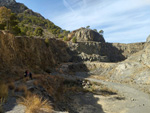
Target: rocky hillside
(134, 70)
(34, 53)
(17, 53)
(84, 35)
(91, 46)
(30, 20)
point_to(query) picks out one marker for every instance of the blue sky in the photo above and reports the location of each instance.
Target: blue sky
(124, 21)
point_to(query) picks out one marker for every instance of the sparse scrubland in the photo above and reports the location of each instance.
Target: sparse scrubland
(76, 71)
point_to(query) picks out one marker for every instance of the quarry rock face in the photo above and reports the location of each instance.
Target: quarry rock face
(103, 52)
(18, 53)
(136, 68)
(91, 46)
(21, 52)
(84, 35)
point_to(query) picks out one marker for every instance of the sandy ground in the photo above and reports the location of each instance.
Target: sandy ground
(131, 101)
(127, 100)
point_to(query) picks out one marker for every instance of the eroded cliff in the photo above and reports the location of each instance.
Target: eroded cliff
(18, 53)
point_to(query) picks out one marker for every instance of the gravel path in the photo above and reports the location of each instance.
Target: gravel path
(136, 101)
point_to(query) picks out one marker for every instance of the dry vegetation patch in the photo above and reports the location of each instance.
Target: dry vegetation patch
(3, 94)
(100, 89)
(35, 104)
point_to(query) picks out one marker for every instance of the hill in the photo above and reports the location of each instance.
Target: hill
(30, 20)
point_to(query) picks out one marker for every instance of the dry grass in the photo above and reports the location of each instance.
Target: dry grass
(3, 94)
(36, 83)
(11, 86)
(3, 91)
(50, 83)
(57, 86)
(2, 101)
(21, 88)
(34, 104)
(101, 89)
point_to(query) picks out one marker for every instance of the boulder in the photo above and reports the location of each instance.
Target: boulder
(84, 35)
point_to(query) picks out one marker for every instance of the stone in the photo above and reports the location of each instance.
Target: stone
(84, 35)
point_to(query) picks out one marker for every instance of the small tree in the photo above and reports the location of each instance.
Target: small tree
(5, 15)
(65, 38)
(60, 36)
(101, 32)
(95, 30)
(74, 39)
(47, 42)
(38, 31)
(87, 27)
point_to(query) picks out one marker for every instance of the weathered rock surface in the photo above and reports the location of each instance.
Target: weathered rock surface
(13, 5)
(119, 51)
(103, 52)
(135, 70)
(84, 35)
(87, 51)
(7, 2)
(18, 7)
(18, 53)
(36, 54)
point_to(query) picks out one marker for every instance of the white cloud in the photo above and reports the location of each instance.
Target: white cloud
(120, 19)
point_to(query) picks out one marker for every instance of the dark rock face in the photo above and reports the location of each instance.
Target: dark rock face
(13, 5)
(84, 35)
(18, 7)
(7, 2)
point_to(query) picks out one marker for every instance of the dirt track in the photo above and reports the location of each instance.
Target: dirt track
(135, 101)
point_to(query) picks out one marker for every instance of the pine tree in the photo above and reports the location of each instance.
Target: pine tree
(5, 15)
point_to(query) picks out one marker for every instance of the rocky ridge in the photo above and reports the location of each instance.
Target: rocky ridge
(17, 7)
(84, 35)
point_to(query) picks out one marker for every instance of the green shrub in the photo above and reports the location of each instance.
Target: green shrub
(74, 39)
(60, 36)
(95, 30)
(65, 38)
(38, 31)
(47, 42)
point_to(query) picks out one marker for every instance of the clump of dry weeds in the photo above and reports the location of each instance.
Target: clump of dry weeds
(35, 104)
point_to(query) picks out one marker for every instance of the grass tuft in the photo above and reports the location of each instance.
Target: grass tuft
(3, 94)
(3, 91)
(34, 104)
